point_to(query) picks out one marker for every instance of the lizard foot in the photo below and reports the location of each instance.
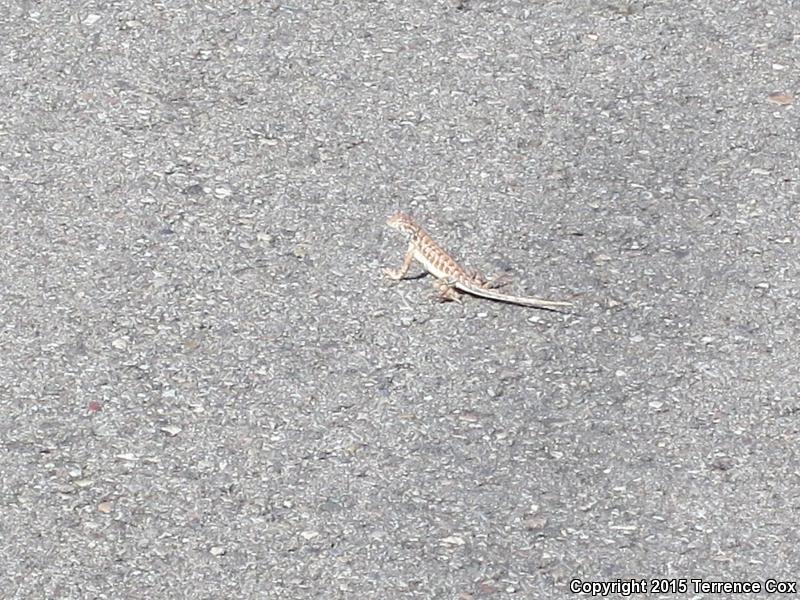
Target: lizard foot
(446, 292)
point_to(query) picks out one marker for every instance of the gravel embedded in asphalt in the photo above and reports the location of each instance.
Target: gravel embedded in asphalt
(209, 390)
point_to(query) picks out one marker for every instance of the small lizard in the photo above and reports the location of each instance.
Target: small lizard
(451, 277)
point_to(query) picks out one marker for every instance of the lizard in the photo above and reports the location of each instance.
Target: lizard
(451, 278)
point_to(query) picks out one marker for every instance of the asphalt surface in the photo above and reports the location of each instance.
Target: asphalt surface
(209, 390)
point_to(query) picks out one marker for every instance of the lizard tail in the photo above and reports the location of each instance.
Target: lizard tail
(523, 301)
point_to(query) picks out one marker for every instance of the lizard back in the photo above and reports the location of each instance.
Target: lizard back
(437, 260)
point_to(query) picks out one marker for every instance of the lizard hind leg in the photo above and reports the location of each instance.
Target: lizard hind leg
(497, 282)
(489, 284)
(446, 292)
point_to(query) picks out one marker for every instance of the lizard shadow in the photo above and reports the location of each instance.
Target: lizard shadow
(419, 276)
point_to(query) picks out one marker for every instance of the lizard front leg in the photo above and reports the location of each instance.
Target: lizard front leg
(401, 272)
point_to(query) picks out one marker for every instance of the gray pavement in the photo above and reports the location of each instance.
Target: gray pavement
(208, 390)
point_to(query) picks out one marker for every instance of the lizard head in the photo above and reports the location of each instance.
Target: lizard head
(402, 222)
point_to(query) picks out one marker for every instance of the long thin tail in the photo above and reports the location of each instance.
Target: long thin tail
(521, 300)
